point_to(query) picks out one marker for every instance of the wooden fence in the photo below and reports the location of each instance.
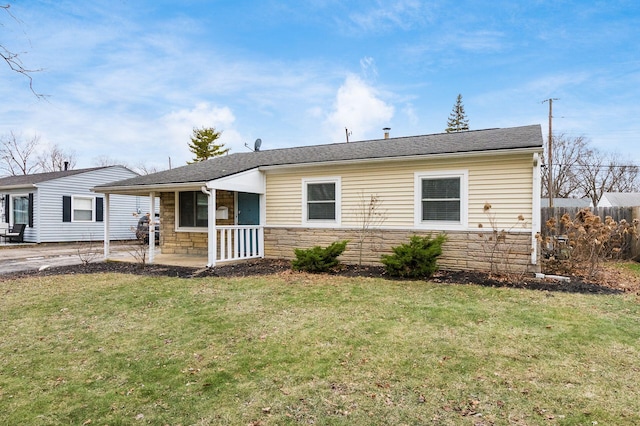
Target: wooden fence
(616, 213)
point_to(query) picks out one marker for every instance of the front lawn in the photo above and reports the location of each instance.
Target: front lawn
(299, 349)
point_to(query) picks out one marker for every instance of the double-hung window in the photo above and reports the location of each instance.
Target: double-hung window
(441, 199)
(193, 209)
(83, 208)
(321, 201)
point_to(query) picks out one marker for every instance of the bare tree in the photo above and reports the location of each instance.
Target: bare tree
(105, 160)
(566, 153)
(56, 160)
(13, 59)
(602, 173)
(581, 171)
(16, 154)
(144, 169)
(140, 168)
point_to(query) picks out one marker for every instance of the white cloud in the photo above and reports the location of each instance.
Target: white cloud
(201, 115)
(359, 108)
(179, 127)
(368, 67)
(386, 16)
(479, 41)
(410, 113)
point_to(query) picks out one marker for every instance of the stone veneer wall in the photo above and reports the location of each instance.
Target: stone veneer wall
(461, 251)
(172, 242)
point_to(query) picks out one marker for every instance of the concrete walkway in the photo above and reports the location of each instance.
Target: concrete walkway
(16, 257)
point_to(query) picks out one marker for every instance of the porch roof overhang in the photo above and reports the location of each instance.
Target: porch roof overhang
(144, 190)
(252, 181)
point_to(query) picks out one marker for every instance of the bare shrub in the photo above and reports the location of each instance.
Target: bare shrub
(88, 252)
(499, 248)
(139, 248)
(587, 242)
(369, 215)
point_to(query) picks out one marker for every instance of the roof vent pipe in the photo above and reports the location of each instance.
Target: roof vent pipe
(386, 132)
(66, 166)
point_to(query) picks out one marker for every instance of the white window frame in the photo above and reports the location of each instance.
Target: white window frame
(179, 228)
(463, 175)
(337, 181)
(11, 212)
(73, 208)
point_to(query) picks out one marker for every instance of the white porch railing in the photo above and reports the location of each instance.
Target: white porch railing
(240, 242)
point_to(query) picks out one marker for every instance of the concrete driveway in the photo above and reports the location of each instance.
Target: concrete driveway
(25, 257)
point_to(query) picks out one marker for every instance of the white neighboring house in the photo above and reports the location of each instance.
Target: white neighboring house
(580, 203)
(60, 206)
(620, 199)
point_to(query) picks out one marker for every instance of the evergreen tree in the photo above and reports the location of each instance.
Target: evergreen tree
(457, 121)
(203, 144)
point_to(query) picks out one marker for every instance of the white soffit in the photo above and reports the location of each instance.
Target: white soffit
(252, 181)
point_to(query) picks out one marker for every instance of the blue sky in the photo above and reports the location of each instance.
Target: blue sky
(130, 79)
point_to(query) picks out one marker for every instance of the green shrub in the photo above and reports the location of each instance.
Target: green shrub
(416, 259)
(318, 259)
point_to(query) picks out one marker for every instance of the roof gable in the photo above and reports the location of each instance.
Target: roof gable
(436, 144)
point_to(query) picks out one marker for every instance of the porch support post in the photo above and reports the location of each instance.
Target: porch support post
(212, 243)
(535, 214)
(107, 232)
(263, 220)
(152, 226)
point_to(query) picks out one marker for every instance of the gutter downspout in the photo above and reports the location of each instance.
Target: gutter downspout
(212, 243)
(535, 214)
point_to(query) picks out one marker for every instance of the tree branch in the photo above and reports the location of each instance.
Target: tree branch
(12, 59)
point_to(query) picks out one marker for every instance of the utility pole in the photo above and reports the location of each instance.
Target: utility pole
(550, 191)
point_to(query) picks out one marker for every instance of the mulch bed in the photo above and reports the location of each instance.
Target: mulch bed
(270, 266)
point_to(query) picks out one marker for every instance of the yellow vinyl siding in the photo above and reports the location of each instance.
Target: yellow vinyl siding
(284, 199)
(506, 184)
(503, 181)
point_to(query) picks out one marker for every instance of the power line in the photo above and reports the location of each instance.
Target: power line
(600, 166)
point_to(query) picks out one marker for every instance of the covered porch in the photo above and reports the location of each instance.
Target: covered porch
(201, 224)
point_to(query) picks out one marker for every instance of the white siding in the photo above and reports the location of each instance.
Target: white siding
(29, 233)
(48, 224)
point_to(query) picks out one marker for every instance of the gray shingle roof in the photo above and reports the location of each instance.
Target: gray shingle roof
(623, 199)
(566, 202)
(442, 143)
(33, 179)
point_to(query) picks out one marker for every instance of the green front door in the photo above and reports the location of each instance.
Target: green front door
(249, 214)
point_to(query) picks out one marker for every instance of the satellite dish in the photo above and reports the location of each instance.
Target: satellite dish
(257, 144)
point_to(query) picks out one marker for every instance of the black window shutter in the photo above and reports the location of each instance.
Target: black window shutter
(30, 210)
(66, 208)
(6, 208)
(99, 209)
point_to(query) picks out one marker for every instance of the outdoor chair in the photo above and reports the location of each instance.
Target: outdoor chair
(15, 234)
